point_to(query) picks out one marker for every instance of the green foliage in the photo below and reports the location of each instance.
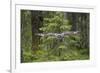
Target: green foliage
(51, 48)
(56, 23)
(26, 35)
(27, 56)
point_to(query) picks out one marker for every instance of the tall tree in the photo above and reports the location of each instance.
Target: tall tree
(84, 28)
(36, 23)
(25, 33)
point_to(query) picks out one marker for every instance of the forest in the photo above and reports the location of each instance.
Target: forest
(54, 36)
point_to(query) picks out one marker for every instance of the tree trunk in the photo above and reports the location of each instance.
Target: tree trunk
(84, 30)
(36, 21)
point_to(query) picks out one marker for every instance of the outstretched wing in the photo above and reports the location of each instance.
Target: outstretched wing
(70, 33)
(58, 34)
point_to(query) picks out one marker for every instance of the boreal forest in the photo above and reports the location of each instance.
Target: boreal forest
(54, 36)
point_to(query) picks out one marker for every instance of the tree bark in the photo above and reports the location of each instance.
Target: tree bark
(36, 21)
